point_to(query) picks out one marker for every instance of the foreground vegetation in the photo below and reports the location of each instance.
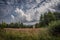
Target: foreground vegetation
(27, 34)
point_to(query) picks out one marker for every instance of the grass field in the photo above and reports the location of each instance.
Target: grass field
(26, 34)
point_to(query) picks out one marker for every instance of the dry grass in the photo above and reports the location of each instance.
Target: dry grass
(29, 31)
(25, 30)
(27, 34)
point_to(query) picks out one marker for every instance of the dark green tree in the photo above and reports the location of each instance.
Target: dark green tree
(46, 18)
(3, 25)
(57, 15)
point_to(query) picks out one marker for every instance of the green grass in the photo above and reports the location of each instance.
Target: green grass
(27, 34)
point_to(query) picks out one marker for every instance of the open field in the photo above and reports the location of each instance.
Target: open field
(26, 34)
(25, 29)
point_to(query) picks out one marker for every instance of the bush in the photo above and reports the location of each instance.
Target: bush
(54, 28)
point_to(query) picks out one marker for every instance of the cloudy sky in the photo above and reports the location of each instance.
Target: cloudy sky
(26, 11)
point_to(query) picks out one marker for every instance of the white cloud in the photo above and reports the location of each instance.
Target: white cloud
(28, 17)
(12, 17)
(46, 6)
(21, 12)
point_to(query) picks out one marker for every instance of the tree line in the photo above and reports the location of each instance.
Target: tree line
(46, 18)
(13, 25)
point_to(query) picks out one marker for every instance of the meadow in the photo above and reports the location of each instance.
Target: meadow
(26, 34)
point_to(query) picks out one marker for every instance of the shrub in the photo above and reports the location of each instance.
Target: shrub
(54, 27)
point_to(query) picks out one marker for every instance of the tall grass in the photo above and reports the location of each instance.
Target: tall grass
(27, 34)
